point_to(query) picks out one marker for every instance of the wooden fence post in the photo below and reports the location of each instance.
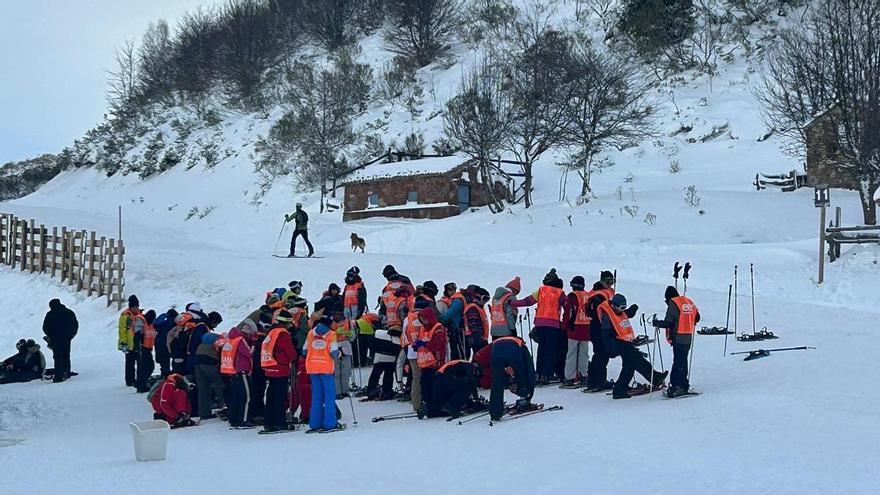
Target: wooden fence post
(102, 261)
(54, 249)
(43, 246)
(109, 268)
(63, 254)
(120, 272)
(91, 254)
(71, 268)
(32, 248)
(23, 245)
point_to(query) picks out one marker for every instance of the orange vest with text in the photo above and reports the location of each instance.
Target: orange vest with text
(227, 355)
(350, 295)
(424, 357)
(687, 315)
(267, 350)
(622, 327)
(392, 303)
(413, 328)
(580, 317)
(482, 312)
(318, 357)
(496, 311)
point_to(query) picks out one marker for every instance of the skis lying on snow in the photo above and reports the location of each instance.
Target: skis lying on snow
(762, 353)
(538, 409)
(608, 386)
(762, 334)
(714, 331)
(279, 256)
(689, 393)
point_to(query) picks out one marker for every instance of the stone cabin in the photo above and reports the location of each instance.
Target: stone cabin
(435, 187)
(824, 159)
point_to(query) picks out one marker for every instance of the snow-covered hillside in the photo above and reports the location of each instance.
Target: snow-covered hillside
(796, 422)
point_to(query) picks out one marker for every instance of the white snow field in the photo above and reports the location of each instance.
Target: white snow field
(795, 422)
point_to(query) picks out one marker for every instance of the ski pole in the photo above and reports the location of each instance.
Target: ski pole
(529, 319)
(478, 416)
(752, 276)
(354, 417)
(687, 269)
(283, 224)
(735, 296)
(727, 322)
(653, 348)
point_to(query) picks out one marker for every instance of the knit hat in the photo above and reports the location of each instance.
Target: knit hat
(514, 285)
(430, 288)
(193, 307)
(333, 287)
(295, 285)
(284, 316)
(421, 303)
(449, 286)
(21, 344)
(577, 282)
(670, 293)
(297, 302)
(55, 303)
(389, 271)
(210, 338)
(607, 277)
(133, 301)
(214, 319)
(150, 316)
(598, 286)
(618, 300)
(171, 313)
(354, 270)
(550, 277)
(247, 327)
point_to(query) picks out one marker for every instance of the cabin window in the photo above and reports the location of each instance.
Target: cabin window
(412, 197)
(373, 200)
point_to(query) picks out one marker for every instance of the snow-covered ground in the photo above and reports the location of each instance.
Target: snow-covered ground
(796, 422)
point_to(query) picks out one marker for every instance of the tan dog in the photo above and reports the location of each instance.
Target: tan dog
(357, 242)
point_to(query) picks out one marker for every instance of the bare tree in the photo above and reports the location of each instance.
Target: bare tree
(154, 61)
(330, 22)
(195, 53)
(123, 82)
(830, 64)
(607, 106)
(536, 83)
(421, 29)
(477, 119)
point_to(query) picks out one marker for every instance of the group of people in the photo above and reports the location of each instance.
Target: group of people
(28, 363)
(285, 365)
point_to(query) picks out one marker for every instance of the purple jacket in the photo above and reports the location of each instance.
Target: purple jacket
(243, 361)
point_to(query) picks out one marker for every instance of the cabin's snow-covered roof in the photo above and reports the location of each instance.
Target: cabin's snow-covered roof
(408, 168)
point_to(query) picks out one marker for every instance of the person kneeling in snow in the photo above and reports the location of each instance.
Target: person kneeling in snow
(26, 365)
(170, 401)
(618, 334)
(512, 368)
(321, 352)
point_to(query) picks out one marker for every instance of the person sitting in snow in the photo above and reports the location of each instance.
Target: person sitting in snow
(171, 403)
(25, 365)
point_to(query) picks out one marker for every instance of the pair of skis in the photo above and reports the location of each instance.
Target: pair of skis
(678, 269)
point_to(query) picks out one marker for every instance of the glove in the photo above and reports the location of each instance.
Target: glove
(655, 322)
(286, 218)
(122, 347)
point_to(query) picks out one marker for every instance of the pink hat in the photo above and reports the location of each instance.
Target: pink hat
(514, 285)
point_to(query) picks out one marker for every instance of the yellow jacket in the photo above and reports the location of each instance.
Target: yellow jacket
(126, 332)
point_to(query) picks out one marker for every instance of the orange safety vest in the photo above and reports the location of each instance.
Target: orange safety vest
(607, 293)
(413, 328)
(687, 315)
(581, 317)
(548, 302)
(350, 296)
(392, 303)
(318, 357)
(340, 336)
(184, 320)
(622, 326)
(424, 357)
(451, 363)
(496, 311)
(267, 350)
(227, 356)
(149, 336)
(482, 312)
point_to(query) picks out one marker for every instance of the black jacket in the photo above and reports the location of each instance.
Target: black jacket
(60, 324)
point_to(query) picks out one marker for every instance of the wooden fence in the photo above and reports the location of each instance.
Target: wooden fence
(791, 181)
(79, 258)
(837, 235)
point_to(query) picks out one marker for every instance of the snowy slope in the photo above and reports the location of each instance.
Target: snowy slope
(797, 422)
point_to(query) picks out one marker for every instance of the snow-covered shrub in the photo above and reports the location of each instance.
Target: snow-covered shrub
(691, 198)
(421, 30)
(674, 166)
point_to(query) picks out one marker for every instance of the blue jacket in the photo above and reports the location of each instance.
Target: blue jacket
(453, 315)
(162, 325)
(194, 340)
(510, 354)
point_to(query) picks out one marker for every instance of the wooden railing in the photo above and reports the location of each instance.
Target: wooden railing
(79, 258)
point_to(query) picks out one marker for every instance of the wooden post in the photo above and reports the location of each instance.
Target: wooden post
(120, 272)
(102, 261)
(71, 256)
(32, 253)
(91, 267)
(63, 254)
(837, 215)
(2, 236)
(109, 267)
(23, 244)
(54, 250)
(43, 245)
(821, 245)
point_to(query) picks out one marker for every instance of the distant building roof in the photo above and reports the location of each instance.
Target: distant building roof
(407, 168)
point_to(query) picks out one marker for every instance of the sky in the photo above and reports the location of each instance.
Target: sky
(54, 59)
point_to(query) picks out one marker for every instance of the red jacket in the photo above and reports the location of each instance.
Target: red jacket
(569, 310)
(243, 360)
(483, 359)
(170, 402)
(285, 354)
(437, 344)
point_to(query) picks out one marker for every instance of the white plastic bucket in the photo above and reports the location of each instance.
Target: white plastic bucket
(150, 440)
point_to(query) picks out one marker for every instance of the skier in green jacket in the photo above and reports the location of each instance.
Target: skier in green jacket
(301, 228)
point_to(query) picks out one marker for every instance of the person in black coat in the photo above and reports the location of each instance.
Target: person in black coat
(331, 301)
(163, 324)
(26, 365)
(454, 385)
(512, 368)
(60, 327)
